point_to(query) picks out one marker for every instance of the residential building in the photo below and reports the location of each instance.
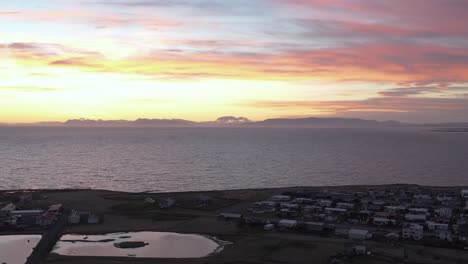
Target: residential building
(287, 223)
(359, 234)
(444, 212)
(415, 217)
(280, 198)
(436, 226)
(412, 231)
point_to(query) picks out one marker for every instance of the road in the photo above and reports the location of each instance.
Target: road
(49, 238)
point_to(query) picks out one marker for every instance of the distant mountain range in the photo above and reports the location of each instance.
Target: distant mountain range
(244, 122)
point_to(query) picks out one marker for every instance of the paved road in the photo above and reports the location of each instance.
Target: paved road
(43, 248)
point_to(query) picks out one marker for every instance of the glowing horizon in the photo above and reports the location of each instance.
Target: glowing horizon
(199, 60)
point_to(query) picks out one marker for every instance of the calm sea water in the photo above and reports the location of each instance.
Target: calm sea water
(183, 159)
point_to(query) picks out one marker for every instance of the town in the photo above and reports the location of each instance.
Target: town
(440, 218)
(362, 223)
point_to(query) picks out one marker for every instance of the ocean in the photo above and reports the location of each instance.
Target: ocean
(191, 159)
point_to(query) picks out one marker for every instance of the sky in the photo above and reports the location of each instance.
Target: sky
(403, 60)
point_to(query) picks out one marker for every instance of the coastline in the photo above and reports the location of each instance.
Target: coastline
(249, 243)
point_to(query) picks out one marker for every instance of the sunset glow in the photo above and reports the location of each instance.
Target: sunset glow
(198, 60)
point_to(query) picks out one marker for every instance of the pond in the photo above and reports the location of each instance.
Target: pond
(138, 244)
(15, 249)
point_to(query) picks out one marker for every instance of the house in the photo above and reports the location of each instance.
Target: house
(463, 233)
(412, 231)
(74, 218)
(287, 212)
(26, 212)
(392, 236)
(342, 232)
(46, 219)
(361, 217)
(360, 250)
(314, 226)
(415, 217)
(203, 201)
(351, 249)
(56, 208)
(345, 205)
(303, 201)
(291, 206)
(422, 197)
(444, 235)
(359, 234)
(280, 198)
(464, 194)
(77, 217)
(445, 212)
(150, 200)
(166, 203)
(287, 223)
(378, 202)
(93, 219)
(230, 216)
(337, 211)
(424, 211)
(380, 221)
(436, 226)
(325, 203)
(6, 210)
(312, 209)
(263, 207)
(443, 197)
(391, 209)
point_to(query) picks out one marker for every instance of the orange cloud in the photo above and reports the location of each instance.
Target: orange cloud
(404, 64)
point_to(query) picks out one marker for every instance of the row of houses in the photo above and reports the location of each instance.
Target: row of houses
(11, 217)
(409, 213)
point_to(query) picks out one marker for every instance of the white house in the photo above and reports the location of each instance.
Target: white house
(436, 226)
(412, 231)
(263, 207)
(150, 200)
(280, 198)
(443, 197)
(292, 206)
(26, 212)
(359, 234)
(380, 221)
(415, 217)
(394, 209)
(74, 218)
(464, 194)
(326, 203)
(286, 223)
(419, 211)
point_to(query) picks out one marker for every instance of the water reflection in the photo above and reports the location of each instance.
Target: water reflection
(138, 244)
(15, 249)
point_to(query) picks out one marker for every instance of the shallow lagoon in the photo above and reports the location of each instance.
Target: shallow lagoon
(15, 249)
(157, 245)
